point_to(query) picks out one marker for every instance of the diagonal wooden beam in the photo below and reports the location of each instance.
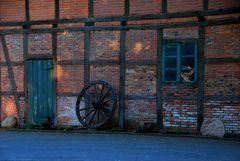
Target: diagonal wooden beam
(11, 77)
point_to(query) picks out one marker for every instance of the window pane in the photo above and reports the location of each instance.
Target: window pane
(187, 75)
(188, 49)
(187, 63)
(170, 75)
(170, 62)
(170, 49)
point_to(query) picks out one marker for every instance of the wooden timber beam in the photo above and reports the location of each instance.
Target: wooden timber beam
(87, 42)
(11, 78)
(216, 22)
(200, 75)
(54, 58)
(27, 12)
(205, 5)
(164, 6)
(122, 67)
(159, 84)
(226, 11)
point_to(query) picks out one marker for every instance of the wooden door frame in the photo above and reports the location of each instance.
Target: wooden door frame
(27, 112)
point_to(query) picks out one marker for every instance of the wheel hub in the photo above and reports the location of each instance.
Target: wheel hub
(97, 105)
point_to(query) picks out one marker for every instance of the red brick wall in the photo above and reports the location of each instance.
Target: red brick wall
(184, 5)
(220, 79)
(41, 9)
(12, 10)
(70, 46)
(73, 8)
(220, 4)
(226, 111)
(145, 7)
(40, 44)
(108, 7)
(180, 114)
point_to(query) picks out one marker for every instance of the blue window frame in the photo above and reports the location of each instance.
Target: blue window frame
(179, 62)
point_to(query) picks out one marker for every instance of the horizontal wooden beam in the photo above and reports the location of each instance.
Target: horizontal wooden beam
(222, 98)
(127, 17)
(17, 63)
(141, 62)
(10, 93)
(224, 21)
(145, 97)
(39, 56)
(221, 60)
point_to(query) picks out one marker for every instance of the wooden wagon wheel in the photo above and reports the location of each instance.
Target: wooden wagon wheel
(96, 104)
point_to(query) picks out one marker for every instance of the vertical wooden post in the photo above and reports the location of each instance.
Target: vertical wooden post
(54, 53)
(27, 13)
(200, 70)
(28, 112)
(122, 66)
(164, 6)
(205, 4)
(87, 45)
(122, 63)
(11, 78)
(0, 90)
(159, 78)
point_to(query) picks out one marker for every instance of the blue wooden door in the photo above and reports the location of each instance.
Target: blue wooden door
(40, 91)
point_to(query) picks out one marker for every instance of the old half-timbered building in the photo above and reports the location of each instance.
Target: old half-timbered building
(173, 63)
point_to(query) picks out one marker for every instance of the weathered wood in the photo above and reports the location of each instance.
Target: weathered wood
(166, 98)
(27, 14)
(90, 8)
(55, 72)
(70, 62)
(222, 98)
(159, 78)
(126, 7)
(164, 6)
(127, 18)
(56, 10)
(11, 93)
(12, 78)
(141, 62)
(17, 63)
(0, 93)
(67, 94)
(122, 63)
(86, 58)
(28, 112)
(221, 60)
(224, 21)
(205, 5)
(200, 75)
(39, 56)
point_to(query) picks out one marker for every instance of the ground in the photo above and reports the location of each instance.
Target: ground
(58, 146)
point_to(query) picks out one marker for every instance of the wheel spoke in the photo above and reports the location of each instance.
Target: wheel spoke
(108, 100)
(86, 108)
(85, 100)
(98, 118)
(92, 117)
(103, 114)
(106, 111)
(88, 114)
(96, 104)
(105, 94)
(100, 97)
(96, 94)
